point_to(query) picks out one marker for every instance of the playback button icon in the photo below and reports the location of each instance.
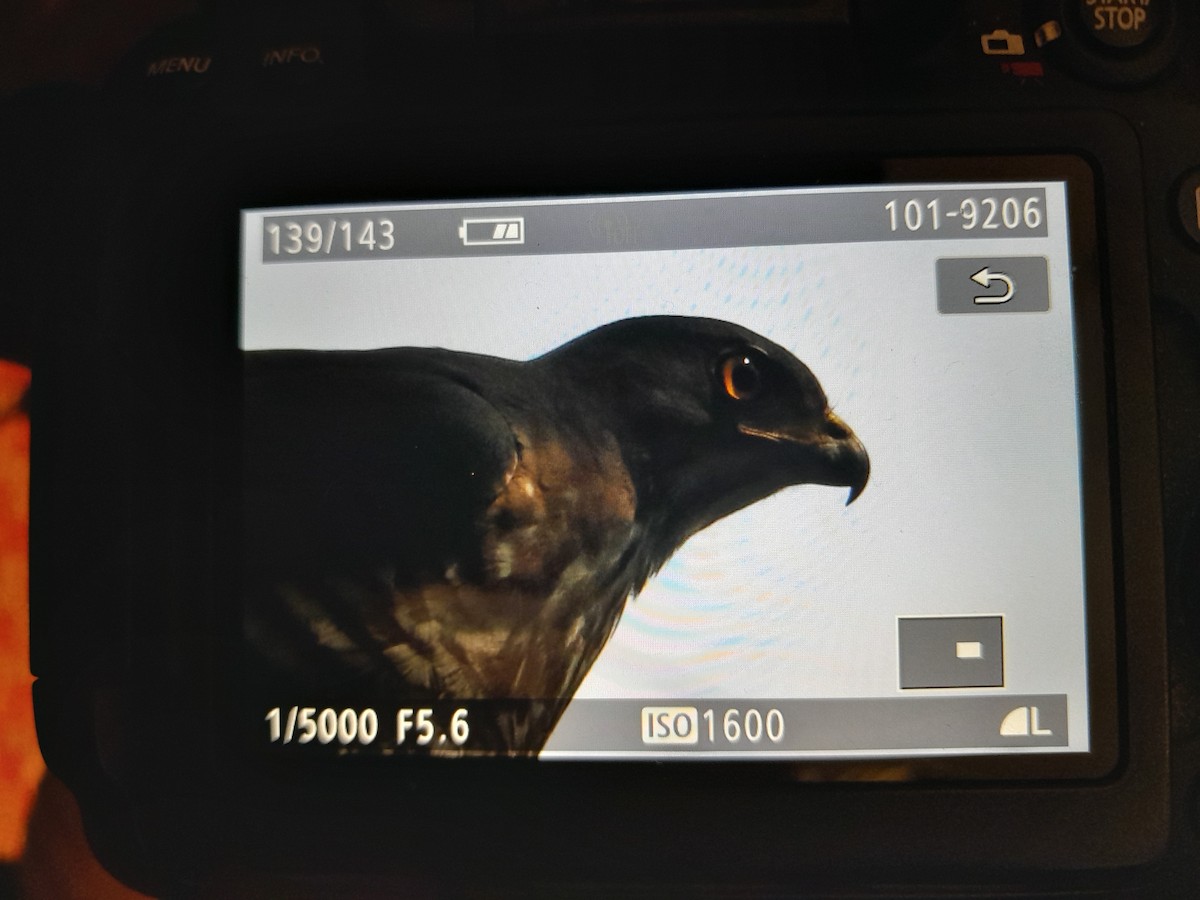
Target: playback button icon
(993, 284)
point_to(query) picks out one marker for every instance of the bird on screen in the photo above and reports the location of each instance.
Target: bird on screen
(424, 524)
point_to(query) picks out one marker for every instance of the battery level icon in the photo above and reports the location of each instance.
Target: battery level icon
(475, 232)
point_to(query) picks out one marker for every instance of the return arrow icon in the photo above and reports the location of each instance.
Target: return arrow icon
(984, 278)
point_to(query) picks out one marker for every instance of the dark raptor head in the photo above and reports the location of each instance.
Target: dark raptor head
(710, 417)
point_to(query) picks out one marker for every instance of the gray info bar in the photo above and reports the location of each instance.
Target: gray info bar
(656, 223)
(818, 726)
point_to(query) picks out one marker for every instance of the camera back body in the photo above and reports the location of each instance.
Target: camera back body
(341, 303)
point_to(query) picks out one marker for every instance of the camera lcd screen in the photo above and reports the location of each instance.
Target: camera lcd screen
(780, 474)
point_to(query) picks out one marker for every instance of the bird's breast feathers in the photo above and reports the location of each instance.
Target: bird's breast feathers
(560, 520)
(556, 505)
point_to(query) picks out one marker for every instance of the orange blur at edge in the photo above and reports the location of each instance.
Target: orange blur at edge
(21, 766)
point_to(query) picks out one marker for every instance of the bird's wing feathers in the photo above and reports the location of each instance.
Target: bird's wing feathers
(357, 460)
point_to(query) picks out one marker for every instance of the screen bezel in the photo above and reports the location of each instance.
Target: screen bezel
(136, 437)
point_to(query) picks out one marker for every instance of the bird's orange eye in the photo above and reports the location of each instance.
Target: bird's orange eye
(740, 376)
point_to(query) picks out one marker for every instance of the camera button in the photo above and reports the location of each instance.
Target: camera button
(179, 61)
(1122, 24)
(1189, 205)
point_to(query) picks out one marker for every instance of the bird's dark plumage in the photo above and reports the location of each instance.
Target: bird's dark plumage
(424, 524)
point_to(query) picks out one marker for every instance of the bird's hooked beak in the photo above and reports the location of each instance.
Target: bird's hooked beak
(856, 463)
(843, 457)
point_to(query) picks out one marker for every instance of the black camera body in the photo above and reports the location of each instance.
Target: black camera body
(147, 706)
